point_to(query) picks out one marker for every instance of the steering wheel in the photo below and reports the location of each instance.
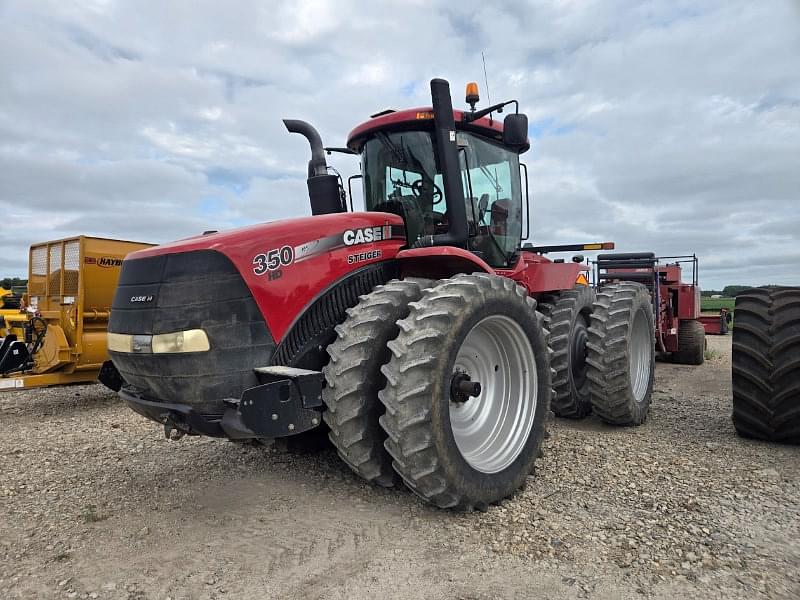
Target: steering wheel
(418, 187)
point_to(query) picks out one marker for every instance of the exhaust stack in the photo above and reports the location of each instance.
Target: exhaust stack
(445, 139)
(324, 192)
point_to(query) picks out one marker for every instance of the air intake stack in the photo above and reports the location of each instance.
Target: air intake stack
(324, 191)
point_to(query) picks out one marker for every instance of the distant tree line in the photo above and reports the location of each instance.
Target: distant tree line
(729, 291)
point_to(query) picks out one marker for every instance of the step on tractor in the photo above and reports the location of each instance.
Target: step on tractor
(679, 333)
(766, 364)
(420, 333)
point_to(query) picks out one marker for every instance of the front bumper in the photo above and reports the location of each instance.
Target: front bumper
(288, 401)
(163, 295)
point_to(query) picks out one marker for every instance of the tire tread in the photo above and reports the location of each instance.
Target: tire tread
(765, 364)
(353, 378)
(407, 419)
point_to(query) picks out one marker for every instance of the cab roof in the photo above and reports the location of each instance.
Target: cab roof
(420, 118)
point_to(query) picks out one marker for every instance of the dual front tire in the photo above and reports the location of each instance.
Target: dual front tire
(467, 452)
(454, 448)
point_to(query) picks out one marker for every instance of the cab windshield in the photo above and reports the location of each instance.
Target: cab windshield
(402, 176)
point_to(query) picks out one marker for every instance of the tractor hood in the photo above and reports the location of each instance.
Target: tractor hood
(192, 320)
(286, 264)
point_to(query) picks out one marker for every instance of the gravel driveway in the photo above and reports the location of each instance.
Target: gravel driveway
(97, 504)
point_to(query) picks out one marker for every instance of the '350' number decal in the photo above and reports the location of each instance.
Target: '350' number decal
(272, 260)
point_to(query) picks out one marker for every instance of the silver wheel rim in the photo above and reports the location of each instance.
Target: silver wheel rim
(639, 359)
(491, 429)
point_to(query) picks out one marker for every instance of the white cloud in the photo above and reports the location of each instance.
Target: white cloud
(667, 125)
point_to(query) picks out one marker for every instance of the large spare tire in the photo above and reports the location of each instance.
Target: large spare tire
(766, 364)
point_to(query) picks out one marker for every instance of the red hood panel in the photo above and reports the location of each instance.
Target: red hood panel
(286, 264)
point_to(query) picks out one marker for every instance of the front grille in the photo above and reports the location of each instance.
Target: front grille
(190, 290)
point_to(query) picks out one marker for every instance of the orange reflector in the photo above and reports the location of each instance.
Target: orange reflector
(581, 280)
(424, 115)
(599, 246)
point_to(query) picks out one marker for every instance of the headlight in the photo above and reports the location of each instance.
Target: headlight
(193, 340)
(119, 342)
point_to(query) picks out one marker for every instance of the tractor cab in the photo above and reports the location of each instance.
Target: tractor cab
(434, 164)
(453, 176)
(402, 174)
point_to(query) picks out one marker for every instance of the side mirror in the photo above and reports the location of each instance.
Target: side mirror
(515, 131)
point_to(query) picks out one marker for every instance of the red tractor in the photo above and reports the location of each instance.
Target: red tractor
(410, 330)
(678, 329)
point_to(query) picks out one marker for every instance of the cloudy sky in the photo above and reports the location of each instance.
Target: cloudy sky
(662, 125)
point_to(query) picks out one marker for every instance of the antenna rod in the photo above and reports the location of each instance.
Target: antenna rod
(486, 79)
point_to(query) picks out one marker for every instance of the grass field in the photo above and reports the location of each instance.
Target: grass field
(714, 304)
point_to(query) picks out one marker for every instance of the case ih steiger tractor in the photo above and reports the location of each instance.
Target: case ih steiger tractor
(411, 329)
(678, 330)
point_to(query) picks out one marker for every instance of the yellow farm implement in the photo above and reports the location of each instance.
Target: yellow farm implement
(60, 335)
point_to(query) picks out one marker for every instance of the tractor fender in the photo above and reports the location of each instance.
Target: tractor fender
(439, 262)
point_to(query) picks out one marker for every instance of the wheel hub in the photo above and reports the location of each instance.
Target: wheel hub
(492, 427)
(462, 388)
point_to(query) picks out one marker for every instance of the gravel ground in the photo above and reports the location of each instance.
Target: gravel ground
(97, 504)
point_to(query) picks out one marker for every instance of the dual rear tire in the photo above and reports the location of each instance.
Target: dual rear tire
(568, 318)
(621, 353)
(603, 352)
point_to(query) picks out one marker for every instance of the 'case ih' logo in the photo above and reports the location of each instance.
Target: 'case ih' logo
(107, 261)
(366, 235)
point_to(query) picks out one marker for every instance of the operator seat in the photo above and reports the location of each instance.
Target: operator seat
(492, 249)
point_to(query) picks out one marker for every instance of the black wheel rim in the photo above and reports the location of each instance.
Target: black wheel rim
(580, 335)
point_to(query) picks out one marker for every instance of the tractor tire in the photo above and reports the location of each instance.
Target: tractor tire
(567, 319)
(456, 449)
(621, 353)
(691, 343)
(766, 364)
(353, 378)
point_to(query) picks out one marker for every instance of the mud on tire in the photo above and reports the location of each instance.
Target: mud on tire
(567, 318)
(621, 353)
(425, 429)
(766, 364)
(353, 377)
